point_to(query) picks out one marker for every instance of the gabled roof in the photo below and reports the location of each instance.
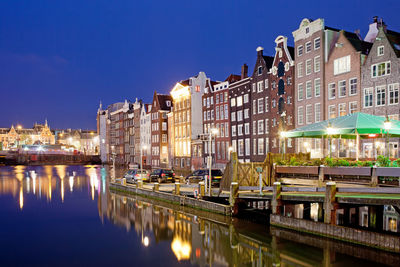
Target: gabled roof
(291, 51)
(394, 40)
(185, 82)
(162, 101)
(268, 61)
(357, 43)
(233, 78)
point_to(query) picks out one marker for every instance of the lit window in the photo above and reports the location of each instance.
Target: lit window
(380, 95)
(368, 95)
(393, 93)
(381, 50)
(353, 86)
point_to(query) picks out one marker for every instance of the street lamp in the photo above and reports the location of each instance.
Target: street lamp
(213, 131)
(283, 135)
(230, 150)
(141, 160)
(387, 124)
(330, 131)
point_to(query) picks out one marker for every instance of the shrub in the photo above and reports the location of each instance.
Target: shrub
(383, 161)
(342, 162)
(294, 162)
(316, 162)
(394, 164)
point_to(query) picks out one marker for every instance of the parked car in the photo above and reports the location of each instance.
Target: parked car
(199, 176)
(132, 176)
(162, 175)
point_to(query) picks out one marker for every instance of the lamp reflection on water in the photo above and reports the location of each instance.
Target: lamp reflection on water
(181, 248)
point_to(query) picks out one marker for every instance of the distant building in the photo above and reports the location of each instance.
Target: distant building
(84, 141)
(14, 137)
(145, 133)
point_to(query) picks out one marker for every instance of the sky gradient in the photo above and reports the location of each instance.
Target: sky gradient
(58, 59)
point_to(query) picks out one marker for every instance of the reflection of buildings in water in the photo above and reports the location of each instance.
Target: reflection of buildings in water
(42, 181)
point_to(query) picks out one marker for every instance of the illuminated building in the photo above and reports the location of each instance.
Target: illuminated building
(14, 137)
(145, 133)
(84, 141)
(187, 118)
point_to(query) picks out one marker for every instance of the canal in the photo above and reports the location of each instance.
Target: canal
(65, 215)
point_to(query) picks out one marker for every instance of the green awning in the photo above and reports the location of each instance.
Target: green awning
(347, 127)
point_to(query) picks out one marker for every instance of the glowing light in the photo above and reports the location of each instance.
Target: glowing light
(283, 134)
(351, 144)
(21, 198)
(387, 124)
(180, 91)
(181, 249)
(230, 149)
(214, 131)
(306, 144)
(146, 241)
(71, 183)
(330, 130)
(19, 127)
(372, 135)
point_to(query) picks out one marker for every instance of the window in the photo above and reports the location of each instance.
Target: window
(308, 114)
(381, 69)
(317, 87)
(247, 146)
(331, 90)
(226, 111)
(254, 146)
(266, 104)
(342, 88)
(380, 95)
(341, 65)
(254, 87)
(308, 47)
(300, 70)
(266, 126)
(246, 98)
(266, 84)
(217, 113)
(289, 100)
(164, 138)
(300, 92)
(368, 95)
(260, 146)
(308, 67)
(239, 115)
(164, 126)
(352, 107)
(246, 113)
(239, 100)
(254, 106)
(260, 105)
(240, 147)
(233, 130)
(254, 127)
(342, 109)
(300, 116)
(233, 116)
(393, 93)
(260, 124)
(289, 80)
(317, 112)
(273, 103)
(217, 99)
(308, 89)
(332, 111)
(204, 102)
(240, 130)
(233, 102)
(260, 87)
(273, 85)
(299, 50)
(317, 43)
(317, 64)
(381, 50)
(259, 70)
(246, 128)
(353, 86)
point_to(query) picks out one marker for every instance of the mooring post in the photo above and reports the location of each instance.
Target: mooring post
(277, 198)
(156, 187)
(140, 183)
(321, 176)
(123, 181)
(330, 204)
(374, 177)
(202, 189)
(177, 188)
(234, 193)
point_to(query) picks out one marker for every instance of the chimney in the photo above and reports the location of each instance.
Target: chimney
(375, 19)
(259, 51)
(244, 71)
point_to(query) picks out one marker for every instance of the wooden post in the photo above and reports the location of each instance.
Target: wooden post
(235, 163)
(321, 176)
(277, 198)
(156, 187)
(234, 193)
(374, 177)
(330, 204)
(202, 189)
(177, 188)
(140, 183)
(123, 181)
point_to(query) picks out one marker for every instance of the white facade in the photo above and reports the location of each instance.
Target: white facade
(145, 131)
(102, 116)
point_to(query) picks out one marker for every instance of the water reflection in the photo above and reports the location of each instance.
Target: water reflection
(49, 181)
(213, 240)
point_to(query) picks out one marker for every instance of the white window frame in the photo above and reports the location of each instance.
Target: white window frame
(351, 111)
(315, 87)
(340, 86)
(300, 50)
(309, 89)
(317, 112)
(309, 114)
(388, 69)
(300, 70)
(308, 66)
(383, 99)
(340, 106)
(308, 45)
(370, 95)
(300, 115)
(393, 87)
(260, 105)
(379, 49)
(315, 42)
(330, 89)
(317, 64)
(341, 65)
(300, 97)
(351, 84)
(330, 111)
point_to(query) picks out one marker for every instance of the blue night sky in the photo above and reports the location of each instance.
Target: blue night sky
(58, 59)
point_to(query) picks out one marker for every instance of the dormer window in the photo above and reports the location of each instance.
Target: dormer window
(259, 70)
(381, 50)
(307, 30)
(168, 103)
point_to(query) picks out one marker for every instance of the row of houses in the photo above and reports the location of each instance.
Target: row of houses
(328, 73)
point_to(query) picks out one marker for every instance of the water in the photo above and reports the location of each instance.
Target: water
(65, 215)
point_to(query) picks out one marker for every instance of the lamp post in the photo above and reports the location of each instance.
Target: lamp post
(141, 159)
(387, 124)
(330, 131)
(213, 131)
(230, 149)
(283, 135)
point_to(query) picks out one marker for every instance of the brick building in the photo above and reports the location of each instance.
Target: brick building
(281, 97)
(259, 109)
(161, 105)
